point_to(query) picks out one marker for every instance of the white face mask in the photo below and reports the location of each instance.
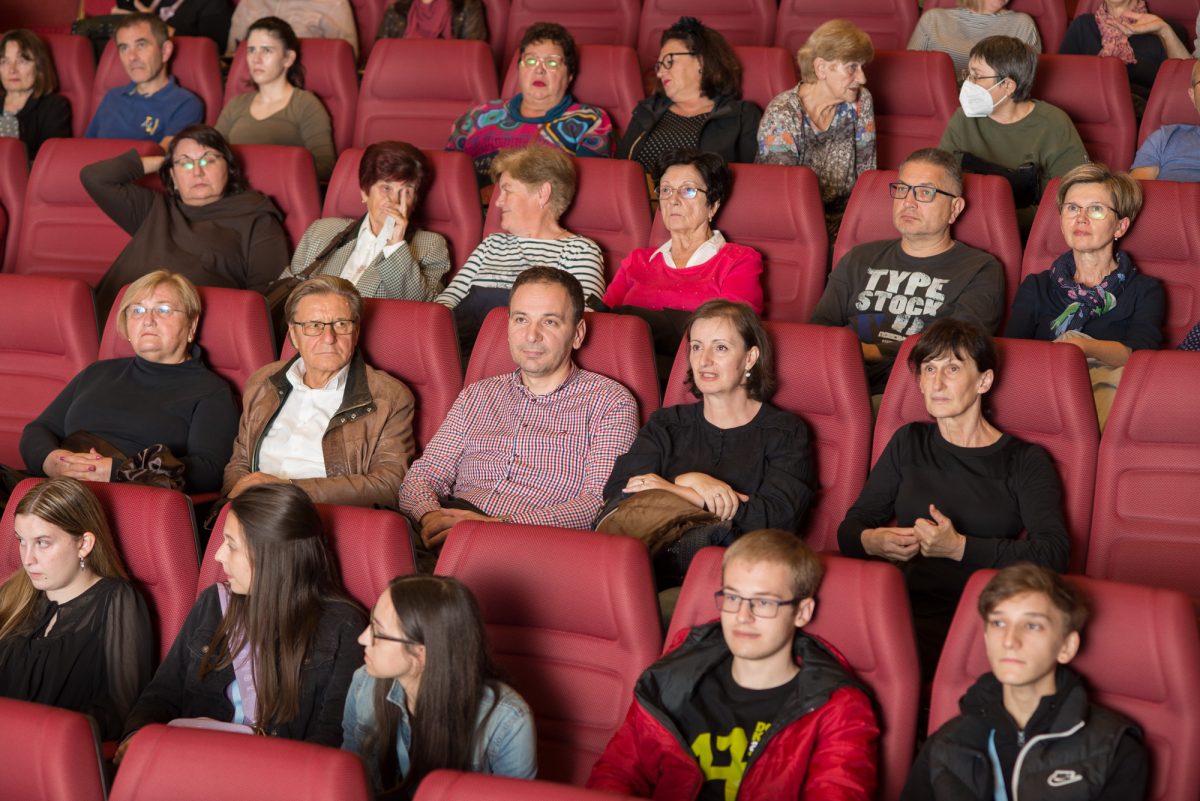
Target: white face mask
(975, 100)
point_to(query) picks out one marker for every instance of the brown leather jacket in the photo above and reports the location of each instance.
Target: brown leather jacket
(368, 445)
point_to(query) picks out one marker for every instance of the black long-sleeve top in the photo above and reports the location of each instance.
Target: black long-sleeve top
(42, 118)
(769, 459)
(132, 404)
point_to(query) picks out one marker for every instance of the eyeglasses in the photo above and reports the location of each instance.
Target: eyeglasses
(375, 635)
(159, 312)
(549, 62)
(759, 607)
(1095, 211)
(967, 76)
(206, 160)
(688, 192)
(925, 194)
(315, 328)
(668, 60)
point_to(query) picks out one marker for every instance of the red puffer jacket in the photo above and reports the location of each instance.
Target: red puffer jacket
(822, 746)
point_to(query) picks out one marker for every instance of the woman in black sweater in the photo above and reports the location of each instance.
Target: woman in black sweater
(33, 110)
(959, 490)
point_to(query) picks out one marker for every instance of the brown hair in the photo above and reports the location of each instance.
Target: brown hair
(394, 161)
(324, 285)
(552, 275)
(188, 296)
(207, 137)
(1126, 192)
(835, 40)
(555, 34)
(720, 69)
(158, 28)
(1009, 58)
(534, 165)
(782, 548)
(961, 338)
(944, 159)
(45, 79)
(760, 386)
(1023, 578)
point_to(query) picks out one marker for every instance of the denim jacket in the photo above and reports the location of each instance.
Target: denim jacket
(507, 747)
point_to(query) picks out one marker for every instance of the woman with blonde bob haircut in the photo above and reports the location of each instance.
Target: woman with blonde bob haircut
(73, 632)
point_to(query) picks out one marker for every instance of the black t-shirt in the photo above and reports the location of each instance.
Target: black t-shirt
(724, 725)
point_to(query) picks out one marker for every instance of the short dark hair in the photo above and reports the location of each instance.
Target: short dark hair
(782, 548)
(760, 386)
(721, 72)
(553, 32)
(45, 79)
(282, 31)
(158, 28)
(959, 337)
(208, 137)
(553, 275)
(939, 158)
(1009, 58)
(712, 168)
(1023, 578)
(394, 161)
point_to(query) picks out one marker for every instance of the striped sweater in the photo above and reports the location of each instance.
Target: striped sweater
(500, 258)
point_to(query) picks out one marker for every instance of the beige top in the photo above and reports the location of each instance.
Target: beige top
(303, 122)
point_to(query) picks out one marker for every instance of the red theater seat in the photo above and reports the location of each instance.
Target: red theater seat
(367, 16)
(821, 380)
(286, 175)
(748, 22)
(862, 610)
(1049, 15)
(497, 25)
(47, 335)
(156, 535)
(51, 754)
(889, 23)
(606, 22)
(14, 177)
(915, 96)
(766, 73)
(195, 765)
(1140, 656)
(451, 785)
(1042, 394)
(195, 64)
(1094, 92)
(572, 618)
(76, 68)
(1169, 103)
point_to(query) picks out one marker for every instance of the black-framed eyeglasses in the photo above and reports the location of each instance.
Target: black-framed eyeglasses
(688, 192)
(375, 635)
(759, 607)
(966, 75)
(668, 59)
(315, 328)
(924, 194)
(205, 161)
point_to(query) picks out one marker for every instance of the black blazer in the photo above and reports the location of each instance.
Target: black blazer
(45, 117)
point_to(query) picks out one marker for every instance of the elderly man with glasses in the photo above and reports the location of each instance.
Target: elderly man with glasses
(323, 420)
(888, 290)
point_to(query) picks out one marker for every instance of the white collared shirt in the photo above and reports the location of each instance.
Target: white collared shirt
(367, 248)
(292, 446)
(702, 254)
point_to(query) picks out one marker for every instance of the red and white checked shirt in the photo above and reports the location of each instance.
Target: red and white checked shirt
(538, 459)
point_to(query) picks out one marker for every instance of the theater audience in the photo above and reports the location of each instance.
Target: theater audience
(542, 112)
(384, 254)
(33, 109)
(1127, 30)
(697, 103)
(531, 446)
(534, 187)
(1172, 153)
(1093, 296)
(750, 706)
(73, 632)
(429, 697)
(1029, 722)
(152, 106)
(271, 650)
(434, 19)
(959, 490)
(827, 122)
(279, 111)
(888, 290)
(186, 17)
(1000, 130)
(704, 473)
(954, 31)
(118, 418)
(310, 19)
(324, 420)
(208, 226)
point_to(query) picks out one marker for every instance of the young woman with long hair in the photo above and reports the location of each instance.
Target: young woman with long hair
(428, 696)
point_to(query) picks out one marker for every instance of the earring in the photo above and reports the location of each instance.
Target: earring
(82, 564)
(746, 375)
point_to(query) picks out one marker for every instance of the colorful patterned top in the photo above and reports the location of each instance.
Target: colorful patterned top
(577, 128)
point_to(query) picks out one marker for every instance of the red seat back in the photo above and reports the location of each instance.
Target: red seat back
(195, 64)
(58, 214)
(76, 68)
(1094, 92)
(915, 95)
(287, 176)
(821, 380)
(889, 23)
(748, 22)
(617, 345)
(53, 16)
(234, 332)
(1140, 656)
(1050, 16)
(451, 785)
(862, 610)
(606, 22)
(177, 763)
(51, 754)
(371, 546)
(1146, 519)
(989, 221)
(1169, 103)
(455, 76)
(608, 79)
(1163, 242)
(1042, 394)
(777, 211)
(47, 335)
(611, 208)
(367, 16)
(572, 618)
(1180, 12)
(766, 73)
(496, 12)
(156, 534)
(14, 178)
(329, 72)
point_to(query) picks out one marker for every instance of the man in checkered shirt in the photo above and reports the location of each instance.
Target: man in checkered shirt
(533, 446)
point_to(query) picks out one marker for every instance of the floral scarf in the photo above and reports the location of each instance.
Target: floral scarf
(1082, 303)
(1112, 41)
